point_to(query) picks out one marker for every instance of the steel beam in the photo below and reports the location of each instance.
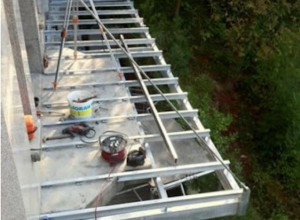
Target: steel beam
(142, 174)
(105, 21)
(94, 43)
(127, 83)
(134, 99)
(175, 205)
(62, 4)
(100, 12)
(127, 69)
(181, 135)
(81, 32)
(95, 54)
(143, 117)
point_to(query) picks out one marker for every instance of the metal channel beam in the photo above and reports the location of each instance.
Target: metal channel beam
(62, 4)
(173, 205)
(100, 12)
(142, 174)
(127, 69)
(128, 83)
(181, 135)
(134, 99)
(100, 52)
(108, 2)
(90, 43)
(144, 117)
(119, 54)
(137, 30)
(105, 21)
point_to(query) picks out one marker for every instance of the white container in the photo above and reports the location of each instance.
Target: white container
(80, 110)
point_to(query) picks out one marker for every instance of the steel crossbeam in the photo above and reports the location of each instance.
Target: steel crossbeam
(90, 43)
(142, 174)
(95, 54)
(127, 69)
(133, 99)
(208, 204)
(100, 12)
(127, 83)
(105, 21)
(137, 30)
(180, 135)
(143, 117)
(62, 4)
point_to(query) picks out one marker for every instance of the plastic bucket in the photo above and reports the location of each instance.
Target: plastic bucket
(80, 109)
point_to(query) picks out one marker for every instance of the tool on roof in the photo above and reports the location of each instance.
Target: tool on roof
(63, 36)
(56, 138)
(81, 129)
(30, 126)
(113, 146)
(136, 157)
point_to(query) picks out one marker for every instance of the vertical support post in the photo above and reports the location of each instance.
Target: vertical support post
(11, 9)
(28, 11)
(243, 205)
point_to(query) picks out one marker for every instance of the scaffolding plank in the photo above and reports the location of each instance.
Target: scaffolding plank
(144, 117)
(142, 174)
(133, 99)
(134, 30)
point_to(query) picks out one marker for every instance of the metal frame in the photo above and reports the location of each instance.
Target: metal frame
(228, 202)
(158, 206)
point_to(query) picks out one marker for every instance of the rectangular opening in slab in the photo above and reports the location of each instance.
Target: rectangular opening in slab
(203, 184)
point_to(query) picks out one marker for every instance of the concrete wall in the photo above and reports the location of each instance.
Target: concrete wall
(18, 169)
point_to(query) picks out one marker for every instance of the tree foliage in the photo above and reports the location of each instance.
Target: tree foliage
(254, 45)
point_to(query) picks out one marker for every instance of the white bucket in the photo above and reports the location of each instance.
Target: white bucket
(80, 109)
